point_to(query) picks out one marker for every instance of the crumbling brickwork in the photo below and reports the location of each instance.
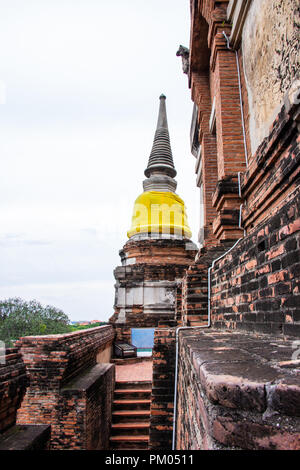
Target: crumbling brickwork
(68, 389)
(238, 384)
(255, 287)
(13, 383)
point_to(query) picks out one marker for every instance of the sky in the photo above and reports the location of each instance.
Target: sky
(79, 93)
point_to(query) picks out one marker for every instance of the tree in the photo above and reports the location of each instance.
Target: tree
(26, 318)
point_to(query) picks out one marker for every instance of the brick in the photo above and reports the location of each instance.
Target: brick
(236, 385)
(285, 397)
(248, 435)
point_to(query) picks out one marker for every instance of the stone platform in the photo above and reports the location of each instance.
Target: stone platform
(130, 360)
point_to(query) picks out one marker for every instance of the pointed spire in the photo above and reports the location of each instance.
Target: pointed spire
(161, 158)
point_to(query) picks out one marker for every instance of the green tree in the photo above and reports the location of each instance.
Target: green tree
(26, 318)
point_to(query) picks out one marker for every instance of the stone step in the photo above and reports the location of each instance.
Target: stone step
(129, 360)
(197, 317)
(145, 384)
(133, 428)
(129, 442)
(126, 416)
(135, 404)
(131, 393)
(197, 323)
(131, 415)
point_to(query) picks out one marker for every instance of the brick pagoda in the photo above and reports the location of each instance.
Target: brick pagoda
(159, 249)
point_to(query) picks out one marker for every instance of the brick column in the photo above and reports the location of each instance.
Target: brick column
(230, 142)
(208, 166)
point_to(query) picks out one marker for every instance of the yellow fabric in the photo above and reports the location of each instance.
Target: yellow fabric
(159, 212)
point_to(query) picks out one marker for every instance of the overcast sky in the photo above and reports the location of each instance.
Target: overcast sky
(79, 88)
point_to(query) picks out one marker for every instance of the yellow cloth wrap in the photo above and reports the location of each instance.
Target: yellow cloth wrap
(159, 212)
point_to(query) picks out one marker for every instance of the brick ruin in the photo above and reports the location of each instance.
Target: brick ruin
(226, 317)
(70, 384)
(238, 381)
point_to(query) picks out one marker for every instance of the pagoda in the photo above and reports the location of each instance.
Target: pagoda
(158, 250)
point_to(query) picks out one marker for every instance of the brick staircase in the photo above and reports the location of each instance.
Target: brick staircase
(131, 416)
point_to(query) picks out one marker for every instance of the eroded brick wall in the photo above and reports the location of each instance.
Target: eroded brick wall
(255, 287)
(67, 387)
(13, 382)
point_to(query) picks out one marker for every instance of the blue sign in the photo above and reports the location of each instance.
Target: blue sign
(142, 338)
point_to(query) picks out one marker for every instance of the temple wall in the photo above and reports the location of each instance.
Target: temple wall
(238, 386)
(13, 383)
(270, 48)
(255, 287)
(162, 399)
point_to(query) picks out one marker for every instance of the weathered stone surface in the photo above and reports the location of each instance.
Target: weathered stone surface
(230, 397)
(13, 383)
(284, 397)
(68, 389)
(271, 60)
(32, 437)
(162, 398)
(255, 287)
(237, 385)
(248, 435)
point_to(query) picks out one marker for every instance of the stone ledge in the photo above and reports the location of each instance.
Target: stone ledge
(249, 388)
(89, 378)
(245, 371)
(28, 437)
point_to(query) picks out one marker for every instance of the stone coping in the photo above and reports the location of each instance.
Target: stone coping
(26, 437)
(62, 335)
(246, 372)
(87, 379)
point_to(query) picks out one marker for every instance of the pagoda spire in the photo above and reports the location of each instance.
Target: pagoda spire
(159, 212)
(161, 159)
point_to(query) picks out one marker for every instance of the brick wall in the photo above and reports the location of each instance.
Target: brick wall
(66, 387)
(256, 286)
(84, 410)
(237, 391)
(13, 382)
(162, 398)
(238, 384)
(224, 76)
